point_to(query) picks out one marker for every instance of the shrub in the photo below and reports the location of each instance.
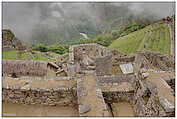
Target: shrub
(56, 48)
(40, 47)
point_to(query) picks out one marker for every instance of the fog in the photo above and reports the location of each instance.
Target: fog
(26, 19)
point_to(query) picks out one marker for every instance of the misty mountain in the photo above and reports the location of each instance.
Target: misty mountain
(51, 23)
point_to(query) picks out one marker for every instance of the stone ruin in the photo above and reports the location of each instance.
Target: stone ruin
(169, 19)
(10, 42)
(88, 57)
(92, 79)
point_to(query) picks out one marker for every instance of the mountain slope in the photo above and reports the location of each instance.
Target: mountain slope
(154, 37)
(10, 42)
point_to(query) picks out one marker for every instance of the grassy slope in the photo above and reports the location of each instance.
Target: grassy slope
(38, 57)
(142, 40)
(12, 55)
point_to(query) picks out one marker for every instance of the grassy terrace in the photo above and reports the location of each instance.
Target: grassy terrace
(157, 41)
(9, 54)
(129, 43)
(38, 57)
(13, 55)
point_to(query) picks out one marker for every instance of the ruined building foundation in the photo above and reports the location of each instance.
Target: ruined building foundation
(93, 80)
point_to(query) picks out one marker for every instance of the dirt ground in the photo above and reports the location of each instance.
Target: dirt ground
(37, 83)
(122, 109)
(17, 110)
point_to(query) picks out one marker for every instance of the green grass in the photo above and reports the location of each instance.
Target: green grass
(158, 42)
(168, 42)
(53, 54)
(129, 43)
(162, 41)
(151, 43)
(38, 57)
(12, 54)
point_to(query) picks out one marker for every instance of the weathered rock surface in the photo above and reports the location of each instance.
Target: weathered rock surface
(84, 108)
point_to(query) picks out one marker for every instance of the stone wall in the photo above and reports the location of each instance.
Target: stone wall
(158, 61)
(24, 68)
(147, 103)
(115, 97)
(96, 54)
(7, 40)
(10, 42)
(107, 80)
(119, 60)
(92, 50)
(48, 92)
(103, 65)
(143, 95)
(171, 83)
(123, 59)
(112, 90)
(41, 96)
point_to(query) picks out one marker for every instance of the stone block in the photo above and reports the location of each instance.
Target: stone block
(84, 108)
(126, 68)
(145, 75)
(166, 104)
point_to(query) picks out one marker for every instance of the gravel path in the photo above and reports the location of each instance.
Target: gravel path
(148, 40)
(123, 109)
(165, 38)
(172, 50)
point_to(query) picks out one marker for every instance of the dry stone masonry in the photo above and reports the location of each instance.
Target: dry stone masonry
(91, 56)
(44, 92)
(93, 79)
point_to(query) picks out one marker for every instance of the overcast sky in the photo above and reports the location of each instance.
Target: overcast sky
(21, 18)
